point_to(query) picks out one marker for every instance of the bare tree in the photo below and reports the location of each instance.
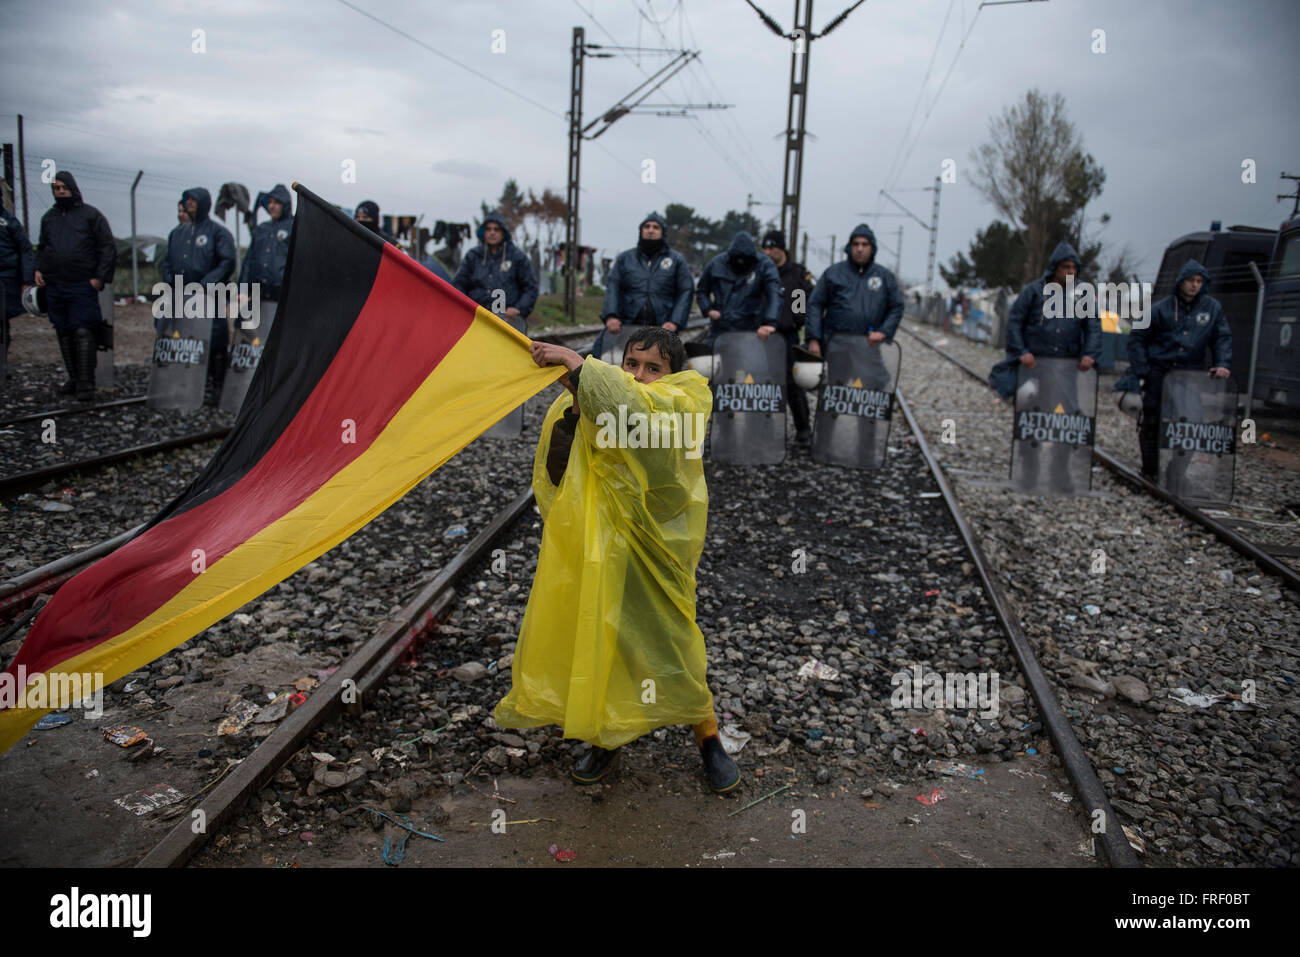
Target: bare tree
(1035, 173)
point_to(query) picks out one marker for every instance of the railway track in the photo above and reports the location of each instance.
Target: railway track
(1124, 470)
(367, 667)
(72, 410)
(10, 484)
(381, 653)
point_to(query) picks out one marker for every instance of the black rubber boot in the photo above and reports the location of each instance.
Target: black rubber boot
(86, 348)
(594, 765)
(721, 771)
(1149, 443)
(798, 408)
(217, 376)
(68, 346)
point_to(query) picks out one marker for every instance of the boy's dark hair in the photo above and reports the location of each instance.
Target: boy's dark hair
(669, 346)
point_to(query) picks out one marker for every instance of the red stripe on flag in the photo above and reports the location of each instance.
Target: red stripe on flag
(390, 351)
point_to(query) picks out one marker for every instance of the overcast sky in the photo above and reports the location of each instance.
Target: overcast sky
(288, 91)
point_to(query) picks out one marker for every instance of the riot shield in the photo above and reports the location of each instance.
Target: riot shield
(244, 357)
(180, 363)
(1198, 430)
(748, 399)
(104, 341)
(612, 344)
(1054, 430)
(512, 425)
(855, 403)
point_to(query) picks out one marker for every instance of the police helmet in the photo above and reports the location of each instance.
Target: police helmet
(34, 300)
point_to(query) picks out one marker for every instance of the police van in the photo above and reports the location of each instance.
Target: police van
(1277, 368)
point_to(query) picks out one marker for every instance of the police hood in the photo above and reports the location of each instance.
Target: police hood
(202, 198)
(66, 178)
(494, 217)
(1063, 252)
(280, 192)
(1193, 268)
(862, 229)
(653, 217)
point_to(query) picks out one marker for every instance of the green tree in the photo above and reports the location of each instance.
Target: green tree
(997, 254)
(513, 207)
(959, 273)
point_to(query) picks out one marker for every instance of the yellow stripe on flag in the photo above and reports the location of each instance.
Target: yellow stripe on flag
(484, 377)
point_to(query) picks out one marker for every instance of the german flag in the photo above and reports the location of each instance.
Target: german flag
(375, 373)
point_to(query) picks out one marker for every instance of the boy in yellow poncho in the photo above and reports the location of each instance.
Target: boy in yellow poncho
(609, 648)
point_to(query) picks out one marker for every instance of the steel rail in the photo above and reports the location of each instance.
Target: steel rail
(1112, 841)
(362, 671)
(1131, 475)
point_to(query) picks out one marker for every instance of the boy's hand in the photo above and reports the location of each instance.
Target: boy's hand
(546, 354)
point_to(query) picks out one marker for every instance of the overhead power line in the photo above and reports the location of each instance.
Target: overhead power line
(450, 59)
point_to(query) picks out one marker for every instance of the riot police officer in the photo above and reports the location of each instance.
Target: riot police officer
(1184, 327)
(1034, 330)
(796, 287)
(203, 251)
(648, 285)
(497, 274)
(740, 290)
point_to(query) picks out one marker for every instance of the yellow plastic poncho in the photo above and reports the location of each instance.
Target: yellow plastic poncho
(609, 648)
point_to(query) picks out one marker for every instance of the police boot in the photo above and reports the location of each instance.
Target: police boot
(1149, 444)
(218, 377)
(594, 765)
(799, 408)
(85, 352)
(67, 346)
(719, 769)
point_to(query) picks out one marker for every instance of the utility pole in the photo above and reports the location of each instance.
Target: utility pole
(751, 202)
(797, 109)
(575, 166)
(1296, 195)
(632, 102)
(9, 173)
(932, 226)
(22, 172)
(934, 238)
(135, 250)
(804, 260)
(792, 178)
(832, 262)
